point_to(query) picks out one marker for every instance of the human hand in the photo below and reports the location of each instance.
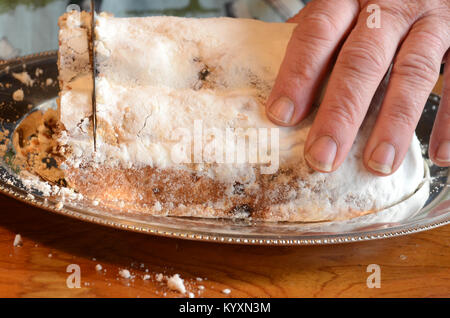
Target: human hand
(414, 35)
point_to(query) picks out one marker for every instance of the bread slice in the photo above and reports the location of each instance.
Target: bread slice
(182, 129)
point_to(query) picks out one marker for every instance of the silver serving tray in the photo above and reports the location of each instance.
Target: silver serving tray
(436, 211)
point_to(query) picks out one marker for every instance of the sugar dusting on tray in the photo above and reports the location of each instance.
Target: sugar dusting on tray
(176, 283)
(37, 156)
(18, 95)
(24, 77)
(17, 240)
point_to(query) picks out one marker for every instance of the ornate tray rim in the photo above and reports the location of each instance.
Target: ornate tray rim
(119, 223)
(231, 239)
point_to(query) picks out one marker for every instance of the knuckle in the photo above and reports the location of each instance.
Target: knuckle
(363, 57)
(433, 39)
(343, 114)
(401, 114)
(301, 66)
(313, 39)
(416, 68)
(321, 24)
(305, 52)
(303, 71)
(437, 8)
(404, 12)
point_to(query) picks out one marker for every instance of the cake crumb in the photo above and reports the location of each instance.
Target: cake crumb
(50, 255)
(18, 241)
(18, 95)
(38, 72)
(191, 295)
(226, 291)
(98, 267)
(176, 283)
(59, 206)
(125, 273)
(146, 277)
(157, 206)
(24, 78)
(159, 277)
(201, 287)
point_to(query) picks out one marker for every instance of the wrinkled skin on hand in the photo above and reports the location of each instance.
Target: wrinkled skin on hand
(342, 36)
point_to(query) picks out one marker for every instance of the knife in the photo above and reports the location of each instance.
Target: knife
(92, 57)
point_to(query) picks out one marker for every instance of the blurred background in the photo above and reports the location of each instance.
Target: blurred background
(30, 26)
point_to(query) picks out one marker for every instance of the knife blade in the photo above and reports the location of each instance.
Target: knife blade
(92, 57)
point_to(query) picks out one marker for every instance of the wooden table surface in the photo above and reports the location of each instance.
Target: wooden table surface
(416, 265)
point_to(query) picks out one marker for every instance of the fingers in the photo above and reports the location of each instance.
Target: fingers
(439, 150)
(414, 74)
(360, 67)
(322, 25)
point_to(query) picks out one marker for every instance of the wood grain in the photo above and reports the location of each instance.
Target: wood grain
(411, 266)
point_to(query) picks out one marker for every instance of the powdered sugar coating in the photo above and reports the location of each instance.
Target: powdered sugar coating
(149, 85)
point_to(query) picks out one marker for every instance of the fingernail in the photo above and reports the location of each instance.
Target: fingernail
(382, 158)
(322, 153)
(282, 110)
(443, 152)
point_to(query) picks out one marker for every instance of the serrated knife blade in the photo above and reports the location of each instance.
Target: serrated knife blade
(93, 67)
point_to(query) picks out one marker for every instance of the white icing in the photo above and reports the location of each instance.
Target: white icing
(73, 38)
(148, 87)
(80, 99)
(149, 75)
